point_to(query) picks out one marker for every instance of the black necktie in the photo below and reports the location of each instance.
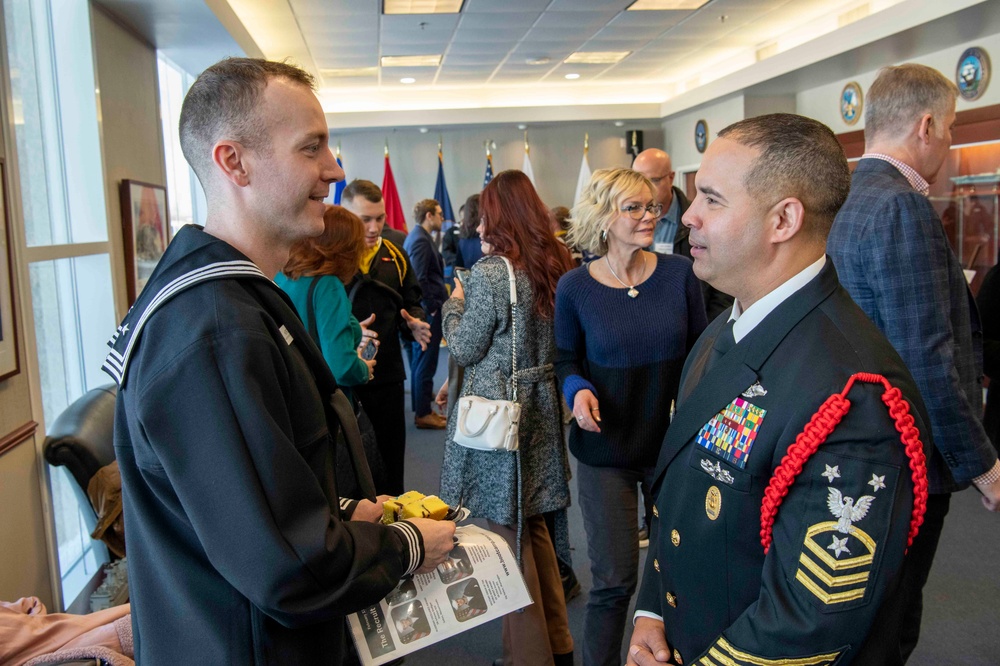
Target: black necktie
(723, 343)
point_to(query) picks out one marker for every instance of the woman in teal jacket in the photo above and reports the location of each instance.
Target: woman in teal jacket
(330, 260)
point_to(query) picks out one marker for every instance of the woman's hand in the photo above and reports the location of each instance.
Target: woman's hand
(371, 366)
(367, 333)
(586, 411)
(441, 399)
(458, 291)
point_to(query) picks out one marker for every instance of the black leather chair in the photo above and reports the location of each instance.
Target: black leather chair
(81, 440)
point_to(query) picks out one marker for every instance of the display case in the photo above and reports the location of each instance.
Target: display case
(965, 195)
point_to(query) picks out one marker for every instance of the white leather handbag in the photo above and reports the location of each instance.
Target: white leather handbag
(491, 425)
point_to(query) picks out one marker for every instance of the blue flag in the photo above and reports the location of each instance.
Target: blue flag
(339, 186)
(489, 170)
(441, 195)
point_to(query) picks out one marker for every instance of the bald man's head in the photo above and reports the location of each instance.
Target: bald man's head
(655, 164)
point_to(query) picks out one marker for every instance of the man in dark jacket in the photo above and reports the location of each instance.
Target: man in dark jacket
(670, 236)
(429, 267)
(894, 258)
(386, 286)
(240, 550)
(773, 547)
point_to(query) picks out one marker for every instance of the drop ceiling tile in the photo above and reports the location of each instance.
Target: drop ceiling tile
(664, 19)
(507, 20)
(574, 19)
(596, 43)
(472, 60)
(506, 36)
(400, 22)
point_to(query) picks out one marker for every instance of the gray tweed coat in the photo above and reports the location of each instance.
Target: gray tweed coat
(478, 331)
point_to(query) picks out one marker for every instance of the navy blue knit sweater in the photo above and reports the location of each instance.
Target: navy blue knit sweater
(629, 352)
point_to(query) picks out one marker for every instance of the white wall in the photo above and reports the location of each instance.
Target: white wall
(556, 153)
(679, 130)
(823, 102)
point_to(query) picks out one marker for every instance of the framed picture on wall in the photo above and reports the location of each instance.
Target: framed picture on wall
(146, 229)
(8, 329)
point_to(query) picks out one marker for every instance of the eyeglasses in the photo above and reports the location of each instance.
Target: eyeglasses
(638, 211)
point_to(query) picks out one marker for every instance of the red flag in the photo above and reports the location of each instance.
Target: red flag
(394, 216)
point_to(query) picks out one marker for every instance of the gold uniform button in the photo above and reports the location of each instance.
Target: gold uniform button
(671, 600)
(656, 565)
(677, 656)
(656, 512)
(675, 537)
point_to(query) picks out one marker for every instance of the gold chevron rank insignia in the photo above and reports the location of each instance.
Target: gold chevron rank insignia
(829, 577)
(722, 653)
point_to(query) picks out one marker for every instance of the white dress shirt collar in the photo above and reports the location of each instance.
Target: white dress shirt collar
(746, 321)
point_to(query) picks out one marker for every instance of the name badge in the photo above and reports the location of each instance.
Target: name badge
(663, 248)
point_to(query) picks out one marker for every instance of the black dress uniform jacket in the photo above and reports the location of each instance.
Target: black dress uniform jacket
(391, 285)
(239, 549)
(818, 590)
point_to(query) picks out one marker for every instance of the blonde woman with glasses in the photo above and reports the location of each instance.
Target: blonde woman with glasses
(624, 324)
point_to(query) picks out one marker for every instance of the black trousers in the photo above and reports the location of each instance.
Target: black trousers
(917, 568)
(384, 406)
(894, 634)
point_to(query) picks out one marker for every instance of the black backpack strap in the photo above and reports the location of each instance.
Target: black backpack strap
(311, 311)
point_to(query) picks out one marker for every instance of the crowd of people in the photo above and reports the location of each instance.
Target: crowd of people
(700, 358)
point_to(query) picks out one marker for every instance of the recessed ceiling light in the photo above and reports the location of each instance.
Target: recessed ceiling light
(572, 76)
(543, 60)
(411, 61)
(596, 57)
(522, 126)
(422, 6)
(407, 79)
(645, 5)
(619, 123)
(348, 72)
(423, 130)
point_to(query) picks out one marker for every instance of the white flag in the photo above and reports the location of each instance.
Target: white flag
(584, 179)
(526, 168)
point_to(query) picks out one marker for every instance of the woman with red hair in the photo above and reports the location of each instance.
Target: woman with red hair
(314, 278)
(513, 489)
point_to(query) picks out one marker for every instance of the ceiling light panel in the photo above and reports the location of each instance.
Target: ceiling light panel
(421, 6)
(507, 6)
(652, 5)
(411, 61)
(347, 72)
(597, 57)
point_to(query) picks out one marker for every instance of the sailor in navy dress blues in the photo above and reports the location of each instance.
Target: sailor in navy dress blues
(731, 576)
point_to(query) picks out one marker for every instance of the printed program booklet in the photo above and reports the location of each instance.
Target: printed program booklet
(480, 581)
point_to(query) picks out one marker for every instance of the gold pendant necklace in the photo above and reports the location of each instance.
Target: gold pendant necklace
(632, 291)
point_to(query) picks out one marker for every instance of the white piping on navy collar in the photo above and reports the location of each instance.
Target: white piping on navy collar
(116, 363)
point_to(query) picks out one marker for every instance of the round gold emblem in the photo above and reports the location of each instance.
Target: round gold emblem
(675, 537)
(713, 503)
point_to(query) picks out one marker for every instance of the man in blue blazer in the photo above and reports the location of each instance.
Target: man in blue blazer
(738, 570)
(429, 268)
(893, 257)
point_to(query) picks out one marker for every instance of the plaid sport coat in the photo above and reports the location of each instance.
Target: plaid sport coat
(891, 253)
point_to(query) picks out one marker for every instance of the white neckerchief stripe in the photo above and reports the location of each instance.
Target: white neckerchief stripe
(175, 286)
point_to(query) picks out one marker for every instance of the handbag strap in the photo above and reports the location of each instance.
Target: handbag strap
(513, 323)
(513, 334)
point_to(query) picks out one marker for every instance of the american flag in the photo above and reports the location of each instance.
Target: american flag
(489, 170)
